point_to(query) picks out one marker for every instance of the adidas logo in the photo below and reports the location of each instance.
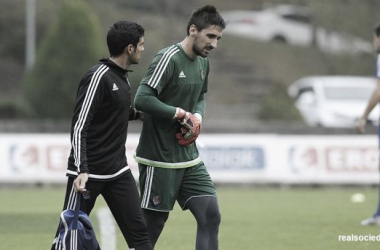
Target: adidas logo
(182, 75)
(114, 87)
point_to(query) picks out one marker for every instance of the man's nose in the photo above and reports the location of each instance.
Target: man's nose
(214, 44)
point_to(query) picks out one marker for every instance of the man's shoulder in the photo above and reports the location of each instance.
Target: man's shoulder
(99, 68)
(96, 73)
(168, 52)
(171, 48)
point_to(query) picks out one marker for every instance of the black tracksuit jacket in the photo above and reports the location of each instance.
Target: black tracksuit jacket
(100, 123)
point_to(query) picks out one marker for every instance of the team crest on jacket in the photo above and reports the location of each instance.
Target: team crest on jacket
(203, 74)
(156, 200)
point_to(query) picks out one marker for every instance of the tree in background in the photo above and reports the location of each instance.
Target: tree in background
(72, 46)
(278, 106)
(275, 63)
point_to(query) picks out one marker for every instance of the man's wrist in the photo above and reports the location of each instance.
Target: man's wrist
(198, 116)
(179, 114)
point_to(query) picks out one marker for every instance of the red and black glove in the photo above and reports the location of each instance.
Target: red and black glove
(180, 136)
(190, 127)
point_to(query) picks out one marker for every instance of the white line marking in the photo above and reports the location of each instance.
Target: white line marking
(107, 229)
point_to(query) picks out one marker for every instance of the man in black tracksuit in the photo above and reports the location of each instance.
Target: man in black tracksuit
(97, 162)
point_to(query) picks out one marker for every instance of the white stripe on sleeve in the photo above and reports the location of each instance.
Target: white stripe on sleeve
(76, 143)
(161, 66)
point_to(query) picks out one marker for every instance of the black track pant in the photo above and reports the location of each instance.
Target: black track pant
(121, 196)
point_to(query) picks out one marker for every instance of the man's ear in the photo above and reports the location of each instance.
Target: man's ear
(193, 30)
(129, 49)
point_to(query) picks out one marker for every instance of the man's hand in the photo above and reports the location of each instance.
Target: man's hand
(180, 136)
(80, 182)
(180, 114)
(189, 121)
(190, 127)
(360, 125)
(192, 124)
(140, 115)
(135, 114)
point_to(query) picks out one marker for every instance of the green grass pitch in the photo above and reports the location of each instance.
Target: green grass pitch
(252, 218)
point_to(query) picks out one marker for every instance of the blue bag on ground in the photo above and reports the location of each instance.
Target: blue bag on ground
(75, 231)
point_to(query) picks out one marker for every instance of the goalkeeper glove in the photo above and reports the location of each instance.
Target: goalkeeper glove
(191, 124)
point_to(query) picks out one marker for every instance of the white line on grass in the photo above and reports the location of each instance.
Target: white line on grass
(107, 229)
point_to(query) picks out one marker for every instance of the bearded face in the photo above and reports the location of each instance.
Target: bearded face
(206, 40)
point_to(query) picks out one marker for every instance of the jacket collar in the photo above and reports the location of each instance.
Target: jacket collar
(114, 66)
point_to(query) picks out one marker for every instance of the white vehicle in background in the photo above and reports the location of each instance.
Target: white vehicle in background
(290, 24)
(333, 101)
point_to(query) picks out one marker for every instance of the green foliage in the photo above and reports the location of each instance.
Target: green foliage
(278, 106)
(72, 46)
(12, 30)
(10, 109)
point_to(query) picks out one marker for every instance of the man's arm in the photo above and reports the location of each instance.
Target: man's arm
(159, 72)
(146, 100)
(85, 107)
(373, 101)
(200, 107)
(90, 94)
(135, 114)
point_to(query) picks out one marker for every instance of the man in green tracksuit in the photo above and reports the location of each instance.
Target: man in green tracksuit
(174, 87)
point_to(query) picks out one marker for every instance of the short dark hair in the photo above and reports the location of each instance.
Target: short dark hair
(121, 34)
(204, 17)
(377, 29)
